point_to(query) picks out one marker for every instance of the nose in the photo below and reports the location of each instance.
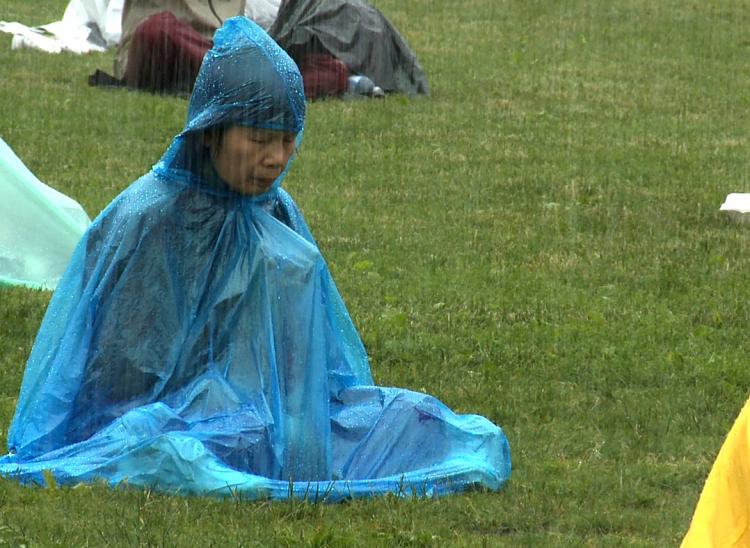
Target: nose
(275, 154)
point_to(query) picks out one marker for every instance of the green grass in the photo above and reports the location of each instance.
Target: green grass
(538, 241)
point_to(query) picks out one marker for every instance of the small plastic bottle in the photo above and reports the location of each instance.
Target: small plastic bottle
(361, 85)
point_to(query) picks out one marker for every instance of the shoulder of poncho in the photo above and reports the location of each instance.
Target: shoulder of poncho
(144, 200)
(293, 216)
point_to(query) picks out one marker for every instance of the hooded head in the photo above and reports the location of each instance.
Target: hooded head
(246, 81)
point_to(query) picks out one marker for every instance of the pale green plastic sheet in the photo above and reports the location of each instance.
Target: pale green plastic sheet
(39, 226)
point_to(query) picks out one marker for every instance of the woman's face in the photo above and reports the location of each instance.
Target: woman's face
(251, 159)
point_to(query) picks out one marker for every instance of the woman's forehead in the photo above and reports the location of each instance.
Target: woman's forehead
(265, 133)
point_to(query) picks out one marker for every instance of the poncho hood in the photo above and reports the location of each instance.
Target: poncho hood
(246, 79)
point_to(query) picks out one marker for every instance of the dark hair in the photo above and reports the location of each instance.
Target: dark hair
(214, 135)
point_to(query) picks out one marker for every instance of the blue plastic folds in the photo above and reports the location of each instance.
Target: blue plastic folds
(197, 343)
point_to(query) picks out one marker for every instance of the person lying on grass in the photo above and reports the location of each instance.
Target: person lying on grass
(197, 343)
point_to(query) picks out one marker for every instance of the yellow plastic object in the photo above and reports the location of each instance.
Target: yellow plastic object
(723, 512)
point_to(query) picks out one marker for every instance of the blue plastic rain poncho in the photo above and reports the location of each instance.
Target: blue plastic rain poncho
(197, 343)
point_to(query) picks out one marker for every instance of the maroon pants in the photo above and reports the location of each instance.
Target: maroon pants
(165, 55)
(323, 76)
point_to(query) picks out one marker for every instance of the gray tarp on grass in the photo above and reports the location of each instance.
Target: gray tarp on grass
(354, 32)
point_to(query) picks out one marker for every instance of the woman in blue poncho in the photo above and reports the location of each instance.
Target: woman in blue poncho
(197, 342)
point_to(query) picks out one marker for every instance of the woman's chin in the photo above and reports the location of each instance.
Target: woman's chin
(252, 188)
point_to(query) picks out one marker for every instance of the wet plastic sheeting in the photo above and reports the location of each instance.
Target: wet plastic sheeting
(39, 227)
(197, 343)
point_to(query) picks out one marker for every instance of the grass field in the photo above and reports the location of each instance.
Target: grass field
(538, 242)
